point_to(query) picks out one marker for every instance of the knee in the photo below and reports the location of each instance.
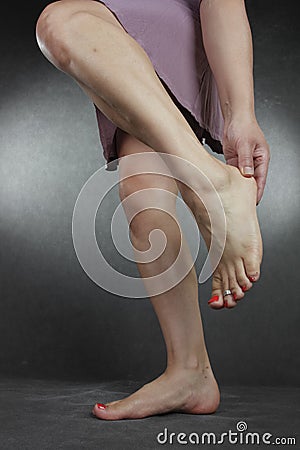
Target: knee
(145, 216)
(51, 34)
(131, 197)
(55, 29)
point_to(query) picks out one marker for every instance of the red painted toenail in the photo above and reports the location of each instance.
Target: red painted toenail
(252, 279)
(226, 303)
(213, 299)
(235, 296)
(244, 288)
(101, 406)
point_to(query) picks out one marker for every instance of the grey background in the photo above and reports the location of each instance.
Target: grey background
(54, 321)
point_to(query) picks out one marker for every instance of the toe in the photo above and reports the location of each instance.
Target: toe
(99, 410)
(221, 283)
(229, 300)
(252, 267)
(235, 288)
(109, 411)
(242, 279)
(228, 280)
(216, 301)
(126, 408)
(237, 293)
(252, 274)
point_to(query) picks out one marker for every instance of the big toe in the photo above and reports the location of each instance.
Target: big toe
(216, 301)
(116, 410)
(105, 411)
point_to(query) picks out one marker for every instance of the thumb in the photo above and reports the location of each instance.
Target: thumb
(245, 157)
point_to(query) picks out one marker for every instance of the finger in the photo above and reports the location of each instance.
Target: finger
(245, 158)
(260, 178)
(261, 182)
(232, 160)
(260, 174)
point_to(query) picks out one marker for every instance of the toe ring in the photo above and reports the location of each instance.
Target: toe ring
(227, 292)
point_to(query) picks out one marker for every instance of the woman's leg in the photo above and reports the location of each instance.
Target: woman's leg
(188, 383)
(83, 38)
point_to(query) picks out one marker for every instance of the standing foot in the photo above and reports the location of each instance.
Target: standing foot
(192, 391)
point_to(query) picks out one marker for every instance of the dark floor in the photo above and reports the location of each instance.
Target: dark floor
(38, 414)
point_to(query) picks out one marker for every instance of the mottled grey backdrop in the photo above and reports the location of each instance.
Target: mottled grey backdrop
(54, 321)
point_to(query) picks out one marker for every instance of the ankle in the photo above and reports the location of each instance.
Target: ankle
(192, 364)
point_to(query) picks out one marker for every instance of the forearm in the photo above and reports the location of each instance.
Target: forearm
(228, 45)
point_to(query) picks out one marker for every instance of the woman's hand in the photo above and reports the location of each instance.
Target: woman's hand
(245, 147)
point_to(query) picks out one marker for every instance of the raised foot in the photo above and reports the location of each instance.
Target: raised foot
(191, 391)
(239, 266)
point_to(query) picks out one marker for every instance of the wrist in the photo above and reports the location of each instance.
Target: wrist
(237, 112)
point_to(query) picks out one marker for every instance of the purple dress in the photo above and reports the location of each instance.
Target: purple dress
(170, 33)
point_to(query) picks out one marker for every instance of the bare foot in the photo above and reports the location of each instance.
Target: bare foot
(240, 263)
(239, 266)
(192, 391)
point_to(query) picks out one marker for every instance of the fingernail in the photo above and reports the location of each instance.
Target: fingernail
(213, 299)
(100, 406)
(244, 288)
(252, 279)
(248, 170)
